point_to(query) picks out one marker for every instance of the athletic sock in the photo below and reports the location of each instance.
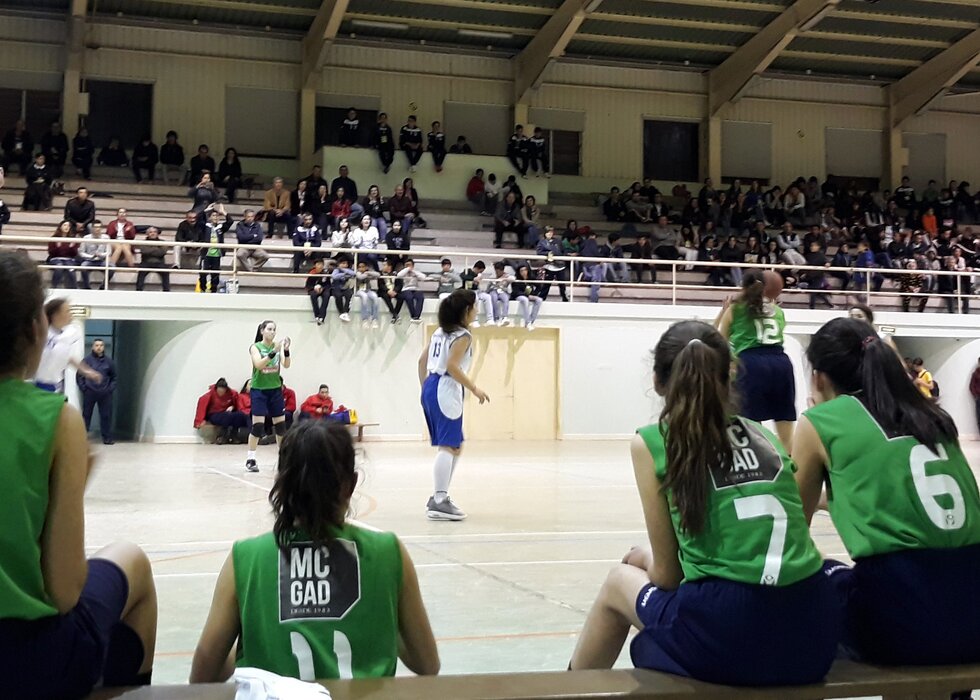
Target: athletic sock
(452, 472)
(250, 455)
(442, 474)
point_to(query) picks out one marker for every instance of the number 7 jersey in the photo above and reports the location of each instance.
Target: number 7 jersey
(892, 493)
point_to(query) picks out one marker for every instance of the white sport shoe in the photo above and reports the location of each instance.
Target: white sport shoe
(475, 324)
(375, 325)
(345, 318)
(503, 322)
(365, 324)
(251, 465)
(530, 327)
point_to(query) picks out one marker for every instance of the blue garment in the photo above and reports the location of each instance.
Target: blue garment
(765, 384)
(444, 431)
(104, 366)
(267, 402)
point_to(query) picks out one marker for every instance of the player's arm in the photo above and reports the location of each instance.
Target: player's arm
(457, 351)
(213, 659)
(665, 568)
(724, 320)
(423, 364)
(80, 366)
(258, 361)
(285, 349)
(810, 457)
(416, 643)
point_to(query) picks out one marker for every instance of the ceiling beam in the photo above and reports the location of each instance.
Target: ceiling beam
(728, 81)
(317, 41)
(925, 85)
(548, 44)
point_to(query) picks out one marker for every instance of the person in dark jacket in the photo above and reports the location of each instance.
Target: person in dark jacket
(80, 210)
(18, 147)
(517, 150)
(437, 145)
(54, 146)
(201, 162)
(249, 232)
(383, 141)
(4, 215)
(98, 392)
(554, 270)
(153, 257)
(203, 192)
(410, 141)
(172, 158)
(188, 231)
(37, 194)
(217, 415)
(83, 153)
(318, 289)
(146, 155)
(314, 180)
(508, 218)
(214, 232)
(113, 155)
(400, 208)
(230, 174)
(350, 129)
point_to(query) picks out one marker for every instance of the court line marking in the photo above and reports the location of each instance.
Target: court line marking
(240, 480)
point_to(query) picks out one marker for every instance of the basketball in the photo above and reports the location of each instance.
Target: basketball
(773, 282)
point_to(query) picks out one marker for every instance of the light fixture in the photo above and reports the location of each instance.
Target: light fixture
(480, 34)
(371, 24)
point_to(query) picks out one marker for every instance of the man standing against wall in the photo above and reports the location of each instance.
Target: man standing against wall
(98, 393)
(975, 391)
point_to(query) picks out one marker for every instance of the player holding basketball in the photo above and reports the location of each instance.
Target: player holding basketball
(443, 369)
(754, 325)
(318, 597)
(733, 590)
(902, 497)
(268, 358)
(56, 356)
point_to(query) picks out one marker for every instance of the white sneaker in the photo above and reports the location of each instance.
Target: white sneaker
(416, 321)
(475, 324)
(375, 325)
(530, 327)
(412, 169)
(345, 318)
(365, 324)
(503, 322)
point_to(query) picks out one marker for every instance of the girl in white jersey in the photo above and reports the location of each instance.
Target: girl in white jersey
(59, 348)
(443, 369)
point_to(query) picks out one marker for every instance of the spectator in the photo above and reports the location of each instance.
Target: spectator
(217, 417)
(113, 155)
(153, 258)
(276, 207)
(475, 190)
(249, 232)
(344, 182)
(188, 231)
(203, 193)
(375, 206)
(816, 280)
(384, 142)
(537, 153)
(201, 162)
(320, 208)
(230, 174)
(508, 218)
(410, 141)
(318, 288)
(528, 296)
(922, 378)
(490, 196)
(365, 238)
(643, 250)
(658, 207)
(350, 129)
(171, 158)
(340, 208)
(866, 260)
(341, 237)
(731, 252)
(554, 270)
(790, 245)
(146, 155)
(307, 237)
(461, 147)
(613, 208)
(82, 153)
(593, 272)
(517, 150)
(638, 210)
(531, 218)
(98, 392)
(342, 281)
(794, 206)
(121, 229)
(410, 292)
(929, 222)
(18, 147)
(63, 254)
(499, 287)
(905, 195)
(314, 180)
(665, 240)
(707, 192)
(842, 258)
(389, 289)
(512, 186)
(975, 391)
(37, 193)
(689, 246)
(397, 240)
(318, 405)
(909, 285)
(363, 279)
(437, 145)
(54, 146)
(80, 210)
(214, 233)
(930, 195)
(448, 279)
(472, 279)
(616, 271)
(400, 207)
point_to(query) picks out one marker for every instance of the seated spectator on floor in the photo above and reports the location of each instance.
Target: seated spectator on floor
(18, 147)
(308, 237)
(54, 146)
(63, 254)
(203, 193)
(400, 209)
(93, 252)
(637, 210)
(68, 623)
(201, 162)
(350, 129)
(410, 141)
(320, 406)
(275, 207)
(375, 206)
(122, 230)
(230, 174)
(153, 257)
(218, 418)
(80, 210)
(113, 155)
(508, 218)
(437, 145)
(344, 182)
(188, 231)
(249, 232)
(172, 159)
(37, 193)
(475, 189)
(531, 218)
(613, 208)
(82, 153)
(461, 147)
(146, 155)
(372, 572)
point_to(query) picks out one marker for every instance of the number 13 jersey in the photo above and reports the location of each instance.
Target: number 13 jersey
(889, 492)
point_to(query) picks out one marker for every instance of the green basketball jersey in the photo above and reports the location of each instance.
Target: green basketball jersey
(890, 493)
(28, 420)
(320, 613)
(269, 377)
(755, 531)
(747, 331)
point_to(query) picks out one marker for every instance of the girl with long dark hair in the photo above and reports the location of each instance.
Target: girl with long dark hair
(230, 174)
(318, 597)
(902, 497)
(754, 325)
(731, 564)
(268, 359)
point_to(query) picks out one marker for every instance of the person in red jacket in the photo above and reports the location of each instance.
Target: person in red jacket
(475, 189)
(122, 229)
(975, 390)
(219, 410)
(318, 405)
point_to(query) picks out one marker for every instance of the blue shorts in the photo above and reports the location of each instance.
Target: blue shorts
(765, 384)
(915, 607)
(442, 403)
(268, 402)
(740, 634)
(52, 388)
(65, 656)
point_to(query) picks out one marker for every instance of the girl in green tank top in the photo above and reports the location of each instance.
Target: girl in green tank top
(902, 497)
(318, 597)
(731, 562)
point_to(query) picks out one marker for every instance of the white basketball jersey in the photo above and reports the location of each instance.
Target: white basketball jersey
(54, 358)
(439, 351)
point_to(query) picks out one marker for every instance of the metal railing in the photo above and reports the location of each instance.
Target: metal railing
(574, 265)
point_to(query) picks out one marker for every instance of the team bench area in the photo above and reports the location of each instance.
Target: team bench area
(845, 680)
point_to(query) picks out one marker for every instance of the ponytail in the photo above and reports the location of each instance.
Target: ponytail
(692, 362)
(753, 293)
(258, 331)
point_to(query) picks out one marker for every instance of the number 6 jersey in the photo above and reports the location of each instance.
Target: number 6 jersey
(889, 492)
